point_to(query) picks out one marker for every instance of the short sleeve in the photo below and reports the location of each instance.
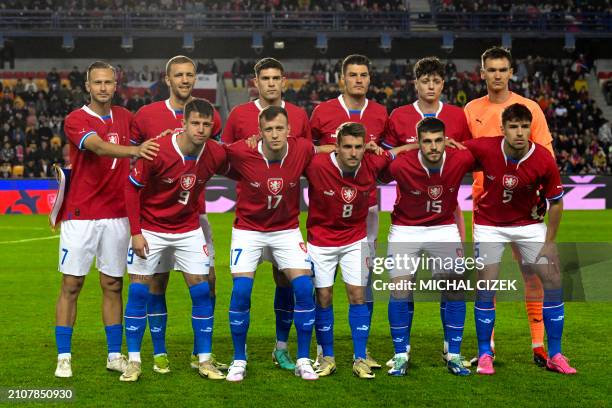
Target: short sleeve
(140, 174)
(77, 130)
(552, 186)
(315, 125)
(390, 134)
(137, 136)
(228, 132)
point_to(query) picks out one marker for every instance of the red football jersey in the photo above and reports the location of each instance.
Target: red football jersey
(425, 197)
(170, 187)
(328, 115)
(401, 126)
(338, 202)
(510, 195)
(93, 192)
(243, 122)
(268, 192)
(153, 119)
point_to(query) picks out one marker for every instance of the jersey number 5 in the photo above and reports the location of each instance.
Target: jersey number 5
(507, 196)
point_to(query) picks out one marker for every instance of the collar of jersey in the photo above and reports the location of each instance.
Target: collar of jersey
(420, 156)
(94, 114)
(525, 157)
(174, 112)
(416, 108)
(333, 159)
(182, 156)
(260, 108)
(260, 150)
(346, 109)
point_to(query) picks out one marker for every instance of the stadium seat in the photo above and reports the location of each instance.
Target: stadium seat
(17, 171)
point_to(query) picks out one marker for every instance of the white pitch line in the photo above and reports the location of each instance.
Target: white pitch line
(19, 241)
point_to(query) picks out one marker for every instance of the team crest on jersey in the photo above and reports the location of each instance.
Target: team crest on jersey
(275, 185)
(113, 138)
(434, 192)
(188, 181)
(510, 181)
(348, 194)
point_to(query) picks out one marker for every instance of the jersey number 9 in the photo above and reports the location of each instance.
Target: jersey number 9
(184, 197)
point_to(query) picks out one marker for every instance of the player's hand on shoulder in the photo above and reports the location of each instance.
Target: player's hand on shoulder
(372, 147)
(253, 141)
(140, 245)
(164, 133)
(148, 149)
(449, 142)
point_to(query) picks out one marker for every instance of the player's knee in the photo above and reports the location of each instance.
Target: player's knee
(324, 297)
(241, 294)
(71, 287)
(111, 286)
(138, 294)
(158, 283)
(199, 293)
(303, 288)
(356, 295)
(279, 278)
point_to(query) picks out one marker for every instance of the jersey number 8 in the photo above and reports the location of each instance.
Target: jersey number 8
(347, 210)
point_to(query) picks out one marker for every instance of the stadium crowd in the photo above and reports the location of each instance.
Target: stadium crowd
(527, 6)
(32, 116)
(203, 5)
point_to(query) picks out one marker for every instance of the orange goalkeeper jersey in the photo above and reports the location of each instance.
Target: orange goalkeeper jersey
(484, 120)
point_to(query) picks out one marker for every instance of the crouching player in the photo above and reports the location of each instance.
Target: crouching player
(514, 168)
(267, 211)
(339, 188)
(163, 204)
(428, 181)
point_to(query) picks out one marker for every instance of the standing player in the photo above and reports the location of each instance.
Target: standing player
(93, 215)
(507, 212)
(151, 121)
(242, 123)
(428, 181)
(484, 119)
(352, 105)
(402, 125)
(339, 188)
(163, 203)
(267, 211)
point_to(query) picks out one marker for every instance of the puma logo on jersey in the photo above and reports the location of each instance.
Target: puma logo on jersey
(292, 184)
(255, 184)
(329, 192)
(168, 180)
(415, 192)
(490, 177)
(479, 121)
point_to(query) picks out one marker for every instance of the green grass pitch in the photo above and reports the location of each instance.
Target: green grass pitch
(29, 285)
